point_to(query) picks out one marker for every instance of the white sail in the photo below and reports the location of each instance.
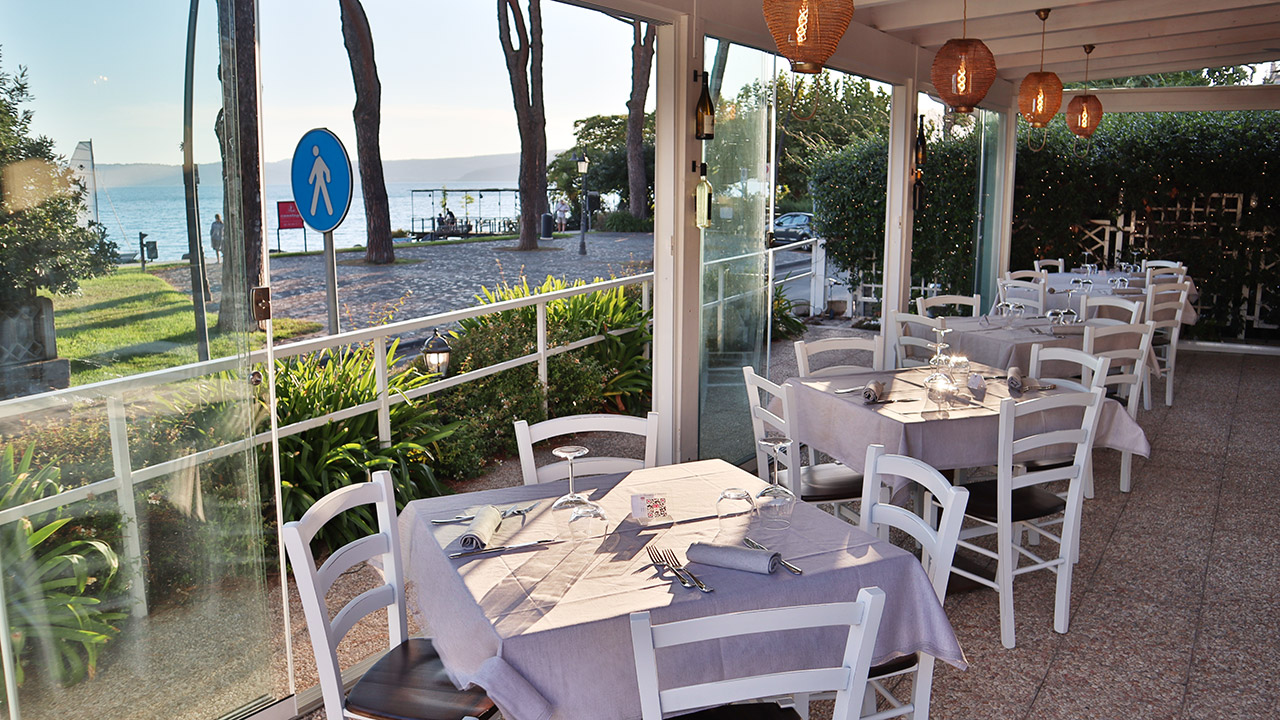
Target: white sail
(82, 169)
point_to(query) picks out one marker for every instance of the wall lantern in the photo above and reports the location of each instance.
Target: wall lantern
(963, 70)
(1084, 112)
(1040, 95)
(807, 31)
(435, 354)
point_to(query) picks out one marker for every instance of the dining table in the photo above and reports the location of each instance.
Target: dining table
(545, 629)
(1060, 287)
(1004, 342)
(831, 416)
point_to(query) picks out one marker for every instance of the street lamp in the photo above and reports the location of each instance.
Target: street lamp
(583, 166)
(435, 354)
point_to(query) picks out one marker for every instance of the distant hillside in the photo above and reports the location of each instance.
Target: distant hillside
(500, 169)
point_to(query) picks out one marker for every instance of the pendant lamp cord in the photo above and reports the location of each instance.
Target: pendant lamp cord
(964, 21)
(1044, 23)
(1031, 137)
(1075, 145)
(795, 95)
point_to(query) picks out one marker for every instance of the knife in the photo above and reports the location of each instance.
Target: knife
(757, 546)
(500, 548)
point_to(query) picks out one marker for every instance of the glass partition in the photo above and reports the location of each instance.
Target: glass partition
(735, 294)
(987, 236)
(131, 521)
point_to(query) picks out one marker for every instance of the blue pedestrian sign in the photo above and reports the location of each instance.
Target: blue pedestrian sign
(322, 180)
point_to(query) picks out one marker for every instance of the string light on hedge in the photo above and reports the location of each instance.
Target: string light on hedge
(1040, 95)
(1084, 112)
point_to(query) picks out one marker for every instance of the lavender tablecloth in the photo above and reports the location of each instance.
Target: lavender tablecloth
(1059, 285)
(550, 624)
(959, 437)
(987, 341)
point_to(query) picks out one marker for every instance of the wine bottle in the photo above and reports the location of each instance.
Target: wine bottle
(705, 123)
(702, 200)
(922, 145)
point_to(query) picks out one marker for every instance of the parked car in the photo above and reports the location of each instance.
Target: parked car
(792, 227)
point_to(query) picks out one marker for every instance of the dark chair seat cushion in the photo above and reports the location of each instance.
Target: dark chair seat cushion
(1160, 340)
(745, 711)
(1050, 464)
(1029, 503)
(896, 665)
(829, 482)
(410, 683)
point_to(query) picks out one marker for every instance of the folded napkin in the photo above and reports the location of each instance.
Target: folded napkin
(734, 557)
(481, 529)
(1014, 378)
(1064, 330)
(872, 393)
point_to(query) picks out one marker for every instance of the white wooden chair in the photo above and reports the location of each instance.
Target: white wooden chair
(1128, 347)
(410, 680)
(1161, 264)
(814, 482)
(848, 679)
(1037, 275)
(1111, 310)
(909, 338)
(1092, 374)
(938, 549)
(1056, 264)
(1010, 504)
(1165, 304)
(974, 303)
(527, 435)
(1032, 295)
(1161, 275)
(806, 350)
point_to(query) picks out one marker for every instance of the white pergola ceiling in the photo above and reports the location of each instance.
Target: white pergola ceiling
(1133, 37)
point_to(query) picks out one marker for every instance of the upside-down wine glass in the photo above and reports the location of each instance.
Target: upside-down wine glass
(777, 502)
(572, 499)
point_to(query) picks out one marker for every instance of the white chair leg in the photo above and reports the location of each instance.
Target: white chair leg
(1126, 471)
(802, 705)
(1088, 478)
(922, 688)
(1146, 389)
(1070, 546)
(869, 701)
(1004, 582)
(1168, 381)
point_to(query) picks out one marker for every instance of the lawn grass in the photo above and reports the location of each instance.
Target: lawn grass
(132, 322)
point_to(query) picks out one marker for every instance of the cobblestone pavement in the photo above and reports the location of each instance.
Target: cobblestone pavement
(433, 279)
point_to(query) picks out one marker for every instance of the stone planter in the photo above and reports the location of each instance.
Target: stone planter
(29, 361)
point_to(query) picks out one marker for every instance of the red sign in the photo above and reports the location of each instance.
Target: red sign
(290, 218)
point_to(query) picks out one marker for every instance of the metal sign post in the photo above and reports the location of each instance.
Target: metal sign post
(322, 186)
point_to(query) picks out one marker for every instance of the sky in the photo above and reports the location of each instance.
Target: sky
(113, 73)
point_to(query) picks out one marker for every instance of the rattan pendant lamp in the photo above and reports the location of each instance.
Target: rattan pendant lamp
(963, 70)
(1084, 112)
(1040, 95)
(807, 32)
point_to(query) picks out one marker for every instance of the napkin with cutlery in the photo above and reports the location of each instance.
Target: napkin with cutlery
(873, 392)
(734, 557)
(1014, 378)
(480, 532)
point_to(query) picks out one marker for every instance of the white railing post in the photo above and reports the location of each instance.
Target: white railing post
(818, 280)
(720, 308)
(10, 662)
(770, 260)
(384, 402)
(542, 352)
(644, 307)
(117, 426)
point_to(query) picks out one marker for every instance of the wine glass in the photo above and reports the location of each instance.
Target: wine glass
(940, 363)
(734, 509)
(588, 521)
(776, 502)
(572, 499)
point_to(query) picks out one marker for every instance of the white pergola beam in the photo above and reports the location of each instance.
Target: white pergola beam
(1176, 61)
(1186, 99)
(1144, 52)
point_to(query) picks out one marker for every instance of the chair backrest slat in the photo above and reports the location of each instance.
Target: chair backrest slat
(1057, 264)
(973, 303)
(1093, 370)
(1033, 294)
(910, 338)
(1111, 309)
(1129, 349)
(527, 435)
(1012, 414)
(805, 350)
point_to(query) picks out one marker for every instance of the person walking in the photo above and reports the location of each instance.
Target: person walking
(562, 214)
(215, 236)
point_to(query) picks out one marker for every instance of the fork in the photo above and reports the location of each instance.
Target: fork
(658, 562)
(509, 512)
(676, 566)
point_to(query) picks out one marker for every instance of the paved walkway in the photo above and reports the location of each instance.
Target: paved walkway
(433, 279)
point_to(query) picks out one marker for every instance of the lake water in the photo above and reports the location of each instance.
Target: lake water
(160, 212)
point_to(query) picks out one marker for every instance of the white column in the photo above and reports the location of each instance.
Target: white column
(1007, 158)
(898, 213)
(677, 249)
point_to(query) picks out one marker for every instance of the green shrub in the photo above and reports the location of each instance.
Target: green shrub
(785, 323)
(624, 221)
(53, 580)
(320, 460)
(611, 374)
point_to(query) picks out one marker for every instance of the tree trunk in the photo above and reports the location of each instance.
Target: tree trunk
(358, 38)
(524, 65)
(641, 62)
(242, 248)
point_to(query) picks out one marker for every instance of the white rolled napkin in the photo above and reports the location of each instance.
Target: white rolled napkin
(873, 392)
(1014, 378)
(481, 529)
(734, 557)
(1064, 330)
